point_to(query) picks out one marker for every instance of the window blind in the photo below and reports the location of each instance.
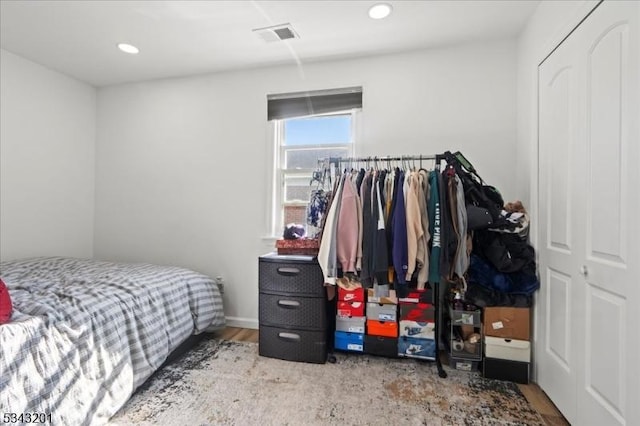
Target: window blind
(300, 104)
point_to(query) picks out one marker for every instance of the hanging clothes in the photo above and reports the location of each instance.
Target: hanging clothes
(399, 236)
(391, 185)
(415, 233)
(417, 230)
(462, 254)
(347, 228)
(388, 194)
(366, 275)
(422, 256)
(317, 207)
(354, 178)
(386, 220)
(434, 227)
(380, 260)
(327, 253)
(359, 179)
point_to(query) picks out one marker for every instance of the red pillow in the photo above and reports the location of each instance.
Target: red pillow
(5, 303)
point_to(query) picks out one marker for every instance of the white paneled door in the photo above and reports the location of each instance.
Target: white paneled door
(588, 335)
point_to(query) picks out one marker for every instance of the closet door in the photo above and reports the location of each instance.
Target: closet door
(558, 326)
(589, 345)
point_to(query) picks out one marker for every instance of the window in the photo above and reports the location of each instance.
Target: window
(307, 126)
(300, 142)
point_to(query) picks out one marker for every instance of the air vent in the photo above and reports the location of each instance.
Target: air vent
(276, 33)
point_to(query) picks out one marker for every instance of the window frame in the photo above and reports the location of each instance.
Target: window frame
(279, 174)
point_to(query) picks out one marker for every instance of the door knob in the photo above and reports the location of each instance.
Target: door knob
(584, 270)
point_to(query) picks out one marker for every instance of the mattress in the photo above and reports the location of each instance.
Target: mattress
(85, 334)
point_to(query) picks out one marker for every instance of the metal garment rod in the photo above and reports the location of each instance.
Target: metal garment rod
(338, 160)
(400, 158)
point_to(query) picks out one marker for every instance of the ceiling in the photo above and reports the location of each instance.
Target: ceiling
(178, 38)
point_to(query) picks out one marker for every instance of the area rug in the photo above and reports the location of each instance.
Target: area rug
(227, 383)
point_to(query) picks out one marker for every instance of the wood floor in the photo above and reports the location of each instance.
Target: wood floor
(536, 397)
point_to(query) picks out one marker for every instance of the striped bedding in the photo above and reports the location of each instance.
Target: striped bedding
(85, 334)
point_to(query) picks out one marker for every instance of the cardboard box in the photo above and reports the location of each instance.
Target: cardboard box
(350, 309)
(382, 328)
(511, 349)
(351, 324)
(349, 341)
(390, 299)
(507, 322)
(382, 312)
(419, 296)
(355, 295)
(502, 369)
(382, 346)
(420, 312)
(418, 330)
(417, 348)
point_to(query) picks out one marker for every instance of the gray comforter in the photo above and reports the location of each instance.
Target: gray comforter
(85, 334)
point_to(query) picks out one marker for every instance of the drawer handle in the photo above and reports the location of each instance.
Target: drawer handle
(289, 336)
(288, 303)
(288, 271)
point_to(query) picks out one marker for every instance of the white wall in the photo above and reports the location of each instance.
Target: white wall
(47, 141)
(182, 164)
(551, 22)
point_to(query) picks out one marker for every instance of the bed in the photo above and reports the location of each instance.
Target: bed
(85, 334)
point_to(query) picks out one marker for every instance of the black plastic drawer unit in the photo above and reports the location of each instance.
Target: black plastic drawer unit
(293, 345)
(292, 309)
(305, 313)
(300, 275)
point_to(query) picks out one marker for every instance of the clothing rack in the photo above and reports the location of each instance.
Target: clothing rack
(337, 161)
(437, 297)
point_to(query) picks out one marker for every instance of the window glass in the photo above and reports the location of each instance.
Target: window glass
(300, 143)
(297, 188)
(307, 158)
(330, 129)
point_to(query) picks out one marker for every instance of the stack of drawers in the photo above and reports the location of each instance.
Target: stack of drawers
(507, 347)
(292, 309)
(350, 320)
(466, 339)
(382, 325)
(417, 326)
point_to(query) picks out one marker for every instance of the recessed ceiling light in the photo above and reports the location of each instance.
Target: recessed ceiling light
(128, 48)
(380, 10)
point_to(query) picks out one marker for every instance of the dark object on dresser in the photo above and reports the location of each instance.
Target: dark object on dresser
(292, 309)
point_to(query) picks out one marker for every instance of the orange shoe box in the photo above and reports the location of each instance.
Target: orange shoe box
(382, 328)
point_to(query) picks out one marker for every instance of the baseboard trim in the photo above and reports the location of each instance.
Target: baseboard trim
(242, 322)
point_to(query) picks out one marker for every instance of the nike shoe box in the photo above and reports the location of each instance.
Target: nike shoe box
(382, 328)
(355, 295)
(418, 330)
(350, 309)
(382, 312)
(380, 345)
(351, 324)
(417, 348)
(419, 312)
(353, 342)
